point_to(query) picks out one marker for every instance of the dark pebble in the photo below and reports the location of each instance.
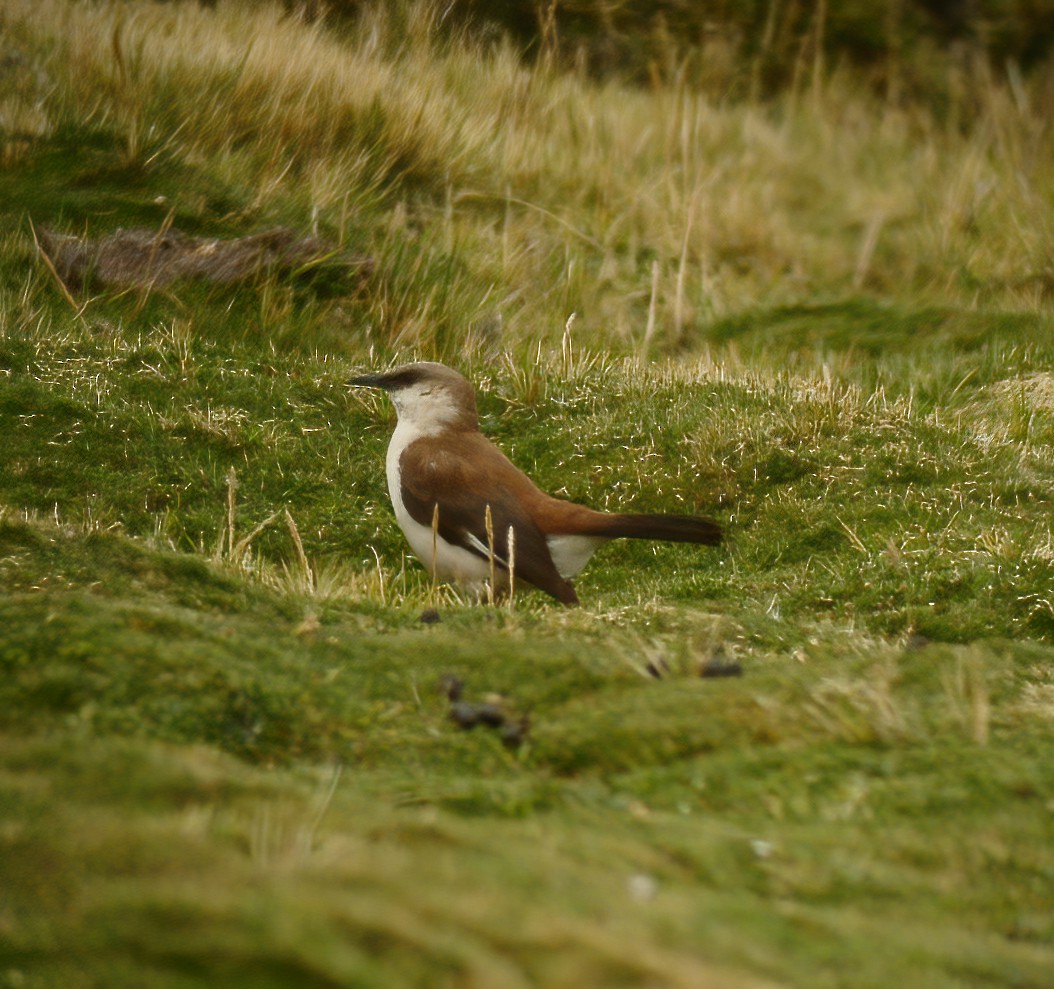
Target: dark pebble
(721, 668)
(464, 715)
(514, 733)
(490, 715)
(429, 617)
(467, 715)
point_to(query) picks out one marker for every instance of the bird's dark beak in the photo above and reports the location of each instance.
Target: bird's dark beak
(370, 381)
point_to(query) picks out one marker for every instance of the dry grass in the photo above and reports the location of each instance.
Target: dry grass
(649, 212)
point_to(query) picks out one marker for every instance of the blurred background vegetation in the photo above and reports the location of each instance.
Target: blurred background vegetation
(906, 49)
(654, 167)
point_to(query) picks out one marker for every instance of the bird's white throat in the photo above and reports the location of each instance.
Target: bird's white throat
(424, 410)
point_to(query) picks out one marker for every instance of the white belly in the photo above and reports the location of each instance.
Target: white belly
(571, 553)
(446, 561)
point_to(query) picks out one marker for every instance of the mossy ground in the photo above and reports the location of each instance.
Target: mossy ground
(225, 760)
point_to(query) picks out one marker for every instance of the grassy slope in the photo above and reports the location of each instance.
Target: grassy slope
(223, 759)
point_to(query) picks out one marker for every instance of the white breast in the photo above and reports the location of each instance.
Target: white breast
(448, 561)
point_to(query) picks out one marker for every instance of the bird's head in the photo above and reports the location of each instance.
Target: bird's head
(428, 395)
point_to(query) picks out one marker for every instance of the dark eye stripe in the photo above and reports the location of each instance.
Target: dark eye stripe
(403, 379)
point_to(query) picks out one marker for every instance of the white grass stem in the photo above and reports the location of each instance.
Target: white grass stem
(567, 352)
(309, 575)
(435, 549)
(649, 328)
(488, 520)
(867, 250)
(682, 264)
(232, 488)
(512, 565)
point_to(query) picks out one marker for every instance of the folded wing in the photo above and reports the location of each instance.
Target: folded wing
(438, 473)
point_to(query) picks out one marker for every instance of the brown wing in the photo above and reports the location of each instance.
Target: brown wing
(464, 477)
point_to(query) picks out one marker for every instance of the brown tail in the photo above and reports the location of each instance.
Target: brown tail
(672, 528)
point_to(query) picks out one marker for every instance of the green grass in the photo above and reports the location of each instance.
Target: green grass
(878, 775)
(224, 751)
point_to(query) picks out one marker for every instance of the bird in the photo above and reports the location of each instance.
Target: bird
(472, 516)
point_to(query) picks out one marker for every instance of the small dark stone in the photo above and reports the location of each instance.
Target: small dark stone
(916, 641)
(464, 715)
(719, 667)
(450, 686)
(514, 733)
(429, 617)
(490, 715)
(467, 715)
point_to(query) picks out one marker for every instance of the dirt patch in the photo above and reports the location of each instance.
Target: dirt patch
(1034, 391)
(146, 259)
